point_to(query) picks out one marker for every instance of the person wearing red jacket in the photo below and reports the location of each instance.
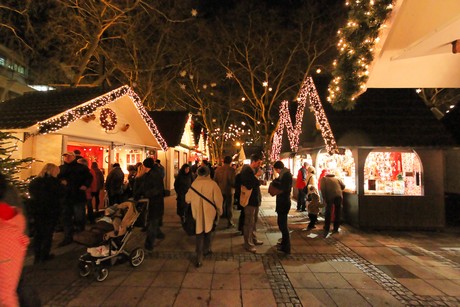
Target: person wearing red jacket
(13, 246)
(300, 184)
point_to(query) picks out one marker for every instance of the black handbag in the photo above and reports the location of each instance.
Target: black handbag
(188, 222)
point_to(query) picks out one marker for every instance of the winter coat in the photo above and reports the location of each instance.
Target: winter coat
(314, 205)
(114, 182)
(13, 247)
(182, 183)
(203, 212)
(44, 198)
(76, 175)
(311, 181)
(331, 188)
(225, 178)
(250, 181)
(98, 180)
(284, 183)
(301, 177)
(150, 185)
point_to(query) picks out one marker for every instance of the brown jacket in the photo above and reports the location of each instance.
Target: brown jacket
(225, 178)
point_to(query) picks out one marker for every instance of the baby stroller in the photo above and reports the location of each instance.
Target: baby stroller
(106, 241)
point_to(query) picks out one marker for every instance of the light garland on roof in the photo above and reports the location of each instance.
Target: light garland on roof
(356, 50)
(308, 90)
(321, 118)
(64, 119)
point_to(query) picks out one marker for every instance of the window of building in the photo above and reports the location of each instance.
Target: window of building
(342, 165)
(393, 173)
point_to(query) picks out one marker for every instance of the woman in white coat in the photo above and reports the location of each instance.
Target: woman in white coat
(203, 212)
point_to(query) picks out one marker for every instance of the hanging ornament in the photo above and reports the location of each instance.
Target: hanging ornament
(108, 119)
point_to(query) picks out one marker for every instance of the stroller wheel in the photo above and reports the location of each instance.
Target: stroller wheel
(136, 257)
(84, 269)
(102, 274)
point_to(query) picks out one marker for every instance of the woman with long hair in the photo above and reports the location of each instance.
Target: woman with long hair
(44, 195)
(181, 185)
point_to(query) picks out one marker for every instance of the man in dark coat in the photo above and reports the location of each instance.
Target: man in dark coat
(249, 179)
(283, 203)
(76, 178)
(149, 184)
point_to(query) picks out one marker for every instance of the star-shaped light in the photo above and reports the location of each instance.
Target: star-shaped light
(194, 12)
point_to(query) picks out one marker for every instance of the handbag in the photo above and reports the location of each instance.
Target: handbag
(273, 190)
(188, 222)
(244, 196)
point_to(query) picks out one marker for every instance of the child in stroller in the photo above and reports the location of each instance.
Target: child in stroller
(106, 241)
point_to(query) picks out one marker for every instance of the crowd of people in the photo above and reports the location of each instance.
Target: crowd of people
(313, 195)
(62, 197)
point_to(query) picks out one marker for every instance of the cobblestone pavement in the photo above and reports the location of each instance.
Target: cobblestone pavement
(352, 268)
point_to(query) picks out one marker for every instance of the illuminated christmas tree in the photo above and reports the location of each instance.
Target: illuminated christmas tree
(9, 166)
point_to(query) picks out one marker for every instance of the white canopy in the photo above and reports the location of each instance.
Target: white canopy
(415, 47)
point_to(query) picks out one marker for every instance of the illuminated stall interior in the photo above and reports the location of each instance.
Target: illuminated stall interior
(393, 173)
(343, 167)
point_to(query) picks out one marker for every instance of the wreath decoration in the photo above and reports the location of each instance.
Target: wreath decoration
(108, 119)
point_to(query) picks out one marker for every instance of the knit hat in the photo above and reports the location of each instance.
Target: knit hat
(203, 171)
(149, 162)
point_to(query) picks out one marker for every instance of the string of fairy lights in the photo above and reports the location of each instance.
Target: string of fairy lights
(307, 92)
(356, 44)
(107, 117)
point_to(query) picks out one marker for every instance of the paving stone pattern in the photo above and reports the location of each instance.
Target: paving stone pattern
(353, 268)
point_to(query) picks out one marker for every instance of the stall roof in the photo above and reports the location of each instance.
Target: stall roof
(32, 107)
(171, 125)
(381, 118)
(60, 110)
(415, 46)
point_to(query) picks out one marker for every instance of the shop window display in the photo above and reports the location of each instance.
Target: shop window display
(392, 173)
(342, 165)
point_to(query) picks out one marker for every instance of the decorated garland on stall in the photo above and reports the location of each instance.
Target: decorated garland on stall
(63, 120)
(356, 50)
(108, 119)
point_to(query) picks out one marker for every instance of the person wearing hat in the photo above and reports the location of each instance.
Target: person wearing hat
(283, 203)
(149, 184)
(76, 179)
(203, 212)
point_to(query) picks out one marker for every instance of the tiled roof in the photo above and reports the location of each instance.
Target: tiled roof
(25, 111)
(171, 125)
(383, 117)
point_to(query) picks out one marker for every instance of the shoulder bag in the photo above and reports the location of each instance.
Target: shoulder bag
(244, 196)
